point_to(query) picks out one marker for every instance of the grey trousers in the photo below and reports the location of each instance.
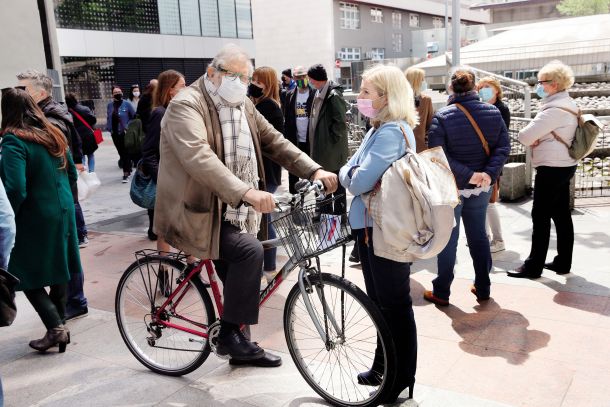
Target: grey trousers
(239, 267)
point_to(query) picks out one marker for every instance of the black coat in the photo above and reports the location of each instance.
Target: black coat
(85, 132)
(150, 148)
(273, 113)
(504, 112)
(144, 110)
(59, 116)
(290, 114)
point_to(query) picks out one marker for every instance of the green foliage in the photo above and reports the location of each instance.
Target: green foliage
(583, 7)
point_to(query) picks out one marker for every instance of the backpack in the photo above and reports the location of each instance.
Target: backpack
(412, 206)
(585, 138)
(134, 136)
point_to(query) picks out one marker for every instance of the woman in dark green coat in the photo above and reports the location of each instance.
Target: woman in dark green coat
(37, 170)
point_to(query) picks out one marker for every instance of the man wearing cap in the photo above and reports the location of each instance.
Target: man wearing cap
(296, 116)
(328, 129)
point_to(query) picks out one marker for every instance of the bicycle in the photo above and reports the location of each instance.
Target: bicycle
(168, 321)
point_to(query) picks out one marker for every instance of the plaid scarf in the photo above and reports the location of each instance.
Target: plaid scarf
(239, 157)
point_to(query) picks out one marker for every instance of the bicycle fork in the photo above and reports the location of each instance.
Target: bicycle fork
(306, 288)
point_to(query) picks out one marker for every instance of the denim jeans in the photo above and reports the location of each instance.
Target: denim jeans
(81, 228)
(472, 211)
(270, 254)
(76, 299)
(90, 162)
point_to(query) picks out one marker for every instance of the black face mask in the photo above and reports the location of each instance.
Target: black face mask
(255, 91)
(118, 97)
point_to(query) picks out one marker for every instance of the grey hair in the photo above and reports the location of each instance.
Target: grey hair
(37, 79)
(232, 53)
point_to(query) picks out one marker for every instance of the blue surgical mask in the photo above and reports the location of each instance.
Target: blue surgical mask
(423, 87)
(540, 91)
(486, 94)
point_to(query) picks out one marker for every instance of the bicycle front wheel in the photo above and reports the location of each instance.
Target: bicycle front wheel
(354, 330)
(143, 321)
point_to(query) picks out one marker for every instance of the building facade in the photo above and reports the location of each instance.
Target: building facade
(127, 42)
(519, 11)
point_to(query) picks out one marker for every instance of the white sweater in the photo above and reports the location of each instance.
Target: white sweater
(551, 152)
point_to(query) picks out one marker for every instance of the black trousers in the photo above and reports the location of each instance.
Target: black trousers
(339, 204)
(127, 160)
(551, 202)
(293, 179)
(51, 306)
(239, 267)
(388, 285)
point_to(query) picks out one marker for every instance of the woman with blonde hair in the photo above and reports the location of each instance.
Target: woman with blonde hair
(423, 104)
(265, 93)
(387, 99)
(490, 91)
(549, 134)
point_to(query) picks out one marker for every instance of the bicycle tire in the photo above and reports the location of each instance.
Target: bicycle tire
(129, 327)
(350, 393)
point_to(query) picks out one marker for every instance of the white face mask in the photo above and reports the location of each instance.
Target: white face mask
(136, 94)
(424, 86)
(232, 90)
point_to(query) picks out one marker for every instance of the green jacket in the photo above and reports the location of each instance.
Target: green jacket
(46, 245)
(329, 147)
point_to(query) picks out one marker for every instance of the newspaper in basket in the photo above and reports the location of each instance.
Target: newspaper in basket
(329, 230)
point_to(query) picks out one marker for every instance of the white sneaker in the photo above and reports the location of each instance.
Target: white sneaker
(497, 246)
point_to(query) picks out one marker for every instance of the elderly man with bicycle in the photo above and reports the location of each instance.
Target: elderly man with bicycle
(210, 189)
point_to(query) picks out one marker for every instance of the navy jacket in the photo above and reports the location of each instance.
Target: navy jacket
(451, 129)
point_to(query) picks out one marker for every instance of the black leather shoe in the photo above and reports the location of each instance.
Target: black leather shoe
(151, 235)
(551, 266)
(369, 378)
(522, 272)
(237, 346)
(79, 313)
(268, 360)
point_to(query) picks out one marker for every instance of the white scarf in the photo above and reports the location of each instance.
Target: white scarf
(239, 155)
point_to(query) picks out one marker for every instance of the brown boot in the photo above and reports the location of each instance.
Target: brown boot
(54, 336)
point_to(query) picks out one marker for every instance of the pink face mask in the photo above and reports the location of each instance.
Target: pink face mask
(365, 107)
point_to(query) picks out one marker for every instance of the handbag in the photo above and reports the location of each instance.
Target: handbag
(97, 133)
(91, 180)
(143, 190)
(8, 308)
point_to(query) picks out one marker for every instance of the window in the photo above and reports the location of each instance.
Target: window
(349, 54)
(169, 16)
(377, 54)
(438, 22)
(397, 42)
(226, 14)
(376, 15)
(397, 20)
(349, 16)
(244, 19)
(413, 20)
(189, 17)
(209, 18)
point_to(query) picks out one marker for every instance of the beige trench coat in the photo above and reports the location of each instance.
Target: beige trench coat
(193, 181)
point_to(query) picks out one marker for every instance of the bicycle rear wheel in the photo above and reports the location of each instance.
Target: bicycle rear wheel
(142, 290)
(355, 326)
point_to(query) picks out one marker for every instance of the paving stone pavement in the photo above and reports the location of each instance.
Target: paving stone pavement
(535, 343)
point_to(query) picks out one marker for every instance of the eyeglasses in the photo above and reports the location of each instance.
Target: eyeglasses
(547, 81)
(245, 79)
(4, 90)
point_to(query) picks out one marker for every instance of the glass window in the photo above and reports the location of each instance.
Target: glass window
(377, 54)
(413, 20)
(169, 17)
(350, 54)
(226, 14)
(244, 18)
(438, 22)
(397, 42)
(376, 15)
(209, 18)
(189, 17)
(88, 78)
(397, 20)
(349, 16)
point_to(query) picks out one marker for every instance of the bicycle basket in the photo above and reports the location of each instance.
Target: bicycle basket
(307, 231)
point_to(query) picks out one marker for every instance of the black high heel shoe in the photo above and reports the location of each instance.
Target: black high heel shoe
(392, 397)
(369, 378)
(55, 336)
